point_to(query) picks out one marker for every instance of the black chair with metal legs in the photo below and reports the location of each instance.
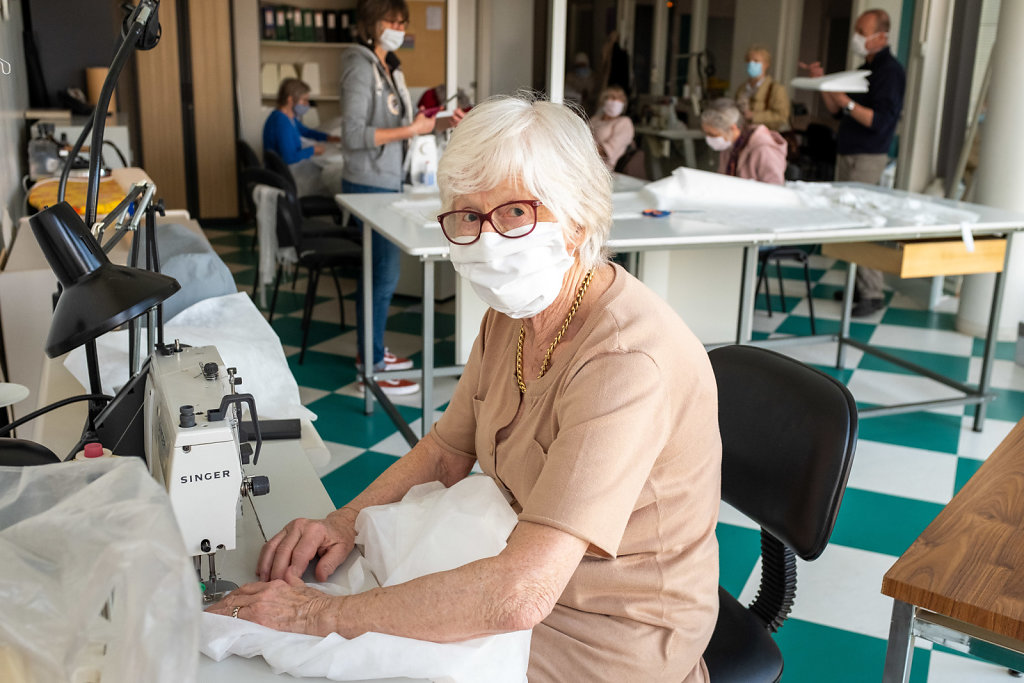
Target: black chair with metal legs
(789, 433)
(313, 251)
(315, 205)
(779, 254)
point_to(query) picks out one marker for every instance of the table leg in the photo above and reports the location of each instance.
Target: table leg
(900, 651)
(844, 325)
(990, 335)
(367, 317)
(747, 280)
(689, 154)
(427, 386)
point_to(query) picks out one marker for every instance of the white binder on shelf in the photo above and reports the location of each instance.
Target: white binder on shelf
(270, 79)
(311, 75)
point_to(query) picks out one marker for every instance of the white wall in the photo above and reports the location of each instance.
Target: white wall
(923, 102)
(13, 102)
(247, 72)
(505, 36)
(774, 23)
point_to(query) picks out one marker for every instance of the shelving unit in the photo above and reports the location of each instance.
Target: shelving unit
(327, 55)
(299, 43)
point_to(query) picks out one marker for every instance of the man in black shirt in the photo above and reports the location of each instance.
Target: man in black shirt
(867, 125)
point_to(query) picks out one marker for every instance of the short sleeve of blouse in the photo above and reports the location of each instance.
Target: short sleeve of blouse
(610, 432)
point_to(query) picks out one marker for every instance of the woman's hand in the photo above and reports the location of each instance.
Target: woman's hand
(422, 124)
(318, 149)
(287, 605)
(290, 551)
(333, 138)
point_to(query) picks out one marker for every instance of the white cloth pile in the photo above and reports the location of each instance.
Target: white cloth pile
(432, 529)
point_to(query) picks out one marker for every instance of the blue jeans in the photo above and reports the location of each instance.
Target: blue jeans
(385, 278)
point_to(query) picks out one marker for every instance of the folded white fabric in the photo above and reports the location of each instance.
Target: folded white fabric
(432, 529)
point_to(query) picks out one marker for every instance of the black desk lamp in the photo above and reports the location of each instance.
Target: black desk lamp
(97, 296)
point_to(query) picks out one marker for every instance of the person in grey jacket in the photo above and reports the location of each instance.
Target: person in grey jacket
(377, 118)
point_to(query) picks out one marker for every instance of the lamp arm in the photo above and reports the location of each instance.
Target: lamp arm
(72, 155)
(124, 51)
(6, 429)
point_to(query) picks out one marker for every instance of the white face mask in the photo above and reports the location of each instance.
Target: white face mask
(391, 39)
(518, 277)
(858, 45)
(719, 144)
(613, 108)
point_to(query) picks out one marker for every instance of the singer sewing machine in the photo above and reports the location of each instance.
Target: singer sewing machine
(192, 416)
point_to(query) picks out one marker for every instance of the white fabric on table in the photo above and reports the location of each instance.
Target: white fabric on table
(243, 338)
(432, 529)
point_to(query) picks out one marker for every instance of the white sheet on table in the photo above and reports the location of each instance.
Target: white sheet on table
(727, 200)
(243, 338)
(421, 211)
(879, 208)
(432, 529)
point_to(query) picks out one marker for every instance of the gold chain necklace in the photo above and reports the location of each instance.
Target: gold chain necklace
(558, 337)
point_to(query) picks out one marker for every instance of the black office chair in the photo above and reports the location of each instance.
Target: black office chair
(22, 453)
(779, 254)
(245, 157)
(788, 437)
(314, 251)
(312, 206)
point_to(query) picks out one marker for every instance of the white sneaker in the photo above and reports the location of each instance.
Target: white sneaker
(391, 362)
(394, 387)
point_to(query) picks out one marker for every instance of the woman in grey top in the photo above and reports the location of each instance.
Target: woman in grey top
(377, 118)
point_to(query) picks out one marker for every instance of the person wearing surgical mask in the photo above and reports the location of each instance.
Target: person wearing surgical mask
(760, 99)
(585, 399)
(613, 130)
(377, 120)
(746, 151)
(283, 130)
(867, 126)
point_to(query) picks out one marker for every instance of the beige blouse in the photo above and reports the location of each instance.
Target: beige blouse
(618, 445)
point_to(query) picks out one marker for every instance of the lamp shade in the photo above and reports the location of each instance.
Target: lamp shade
(98, 295)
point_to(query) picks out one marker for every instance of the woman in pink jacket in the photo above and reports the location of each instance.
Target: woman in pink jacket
(753, 152)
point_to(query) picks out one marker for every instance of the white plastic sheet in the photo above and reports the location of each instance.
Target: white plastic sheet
(432, 529)
(243, 338)
(75, 535)
(878, 207)
(727, 200)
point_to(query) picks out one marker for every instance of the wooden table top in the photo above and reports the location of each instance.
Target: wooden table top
(969, 563)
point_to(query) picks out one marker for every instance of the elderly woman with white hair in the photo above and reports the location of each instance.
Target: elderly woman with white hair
(585, 398)
(753, 151)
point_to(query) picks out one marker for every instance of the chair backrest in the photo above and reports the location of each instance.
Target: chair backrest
(247, 157)
(789, 433)
(289, 224)
(273, 162)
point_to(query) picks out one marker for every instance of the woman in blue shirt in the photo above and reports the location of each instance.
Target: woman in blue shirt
(283, 131)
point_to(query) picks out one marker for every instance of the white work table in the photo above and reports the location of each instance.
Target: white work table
(668, 264)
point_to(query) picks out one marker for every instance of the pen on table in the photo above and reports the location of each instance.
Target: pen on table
(661, 213)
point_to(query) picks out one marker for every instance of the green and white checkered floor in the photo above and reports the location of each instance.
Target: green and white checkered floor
(906, 467)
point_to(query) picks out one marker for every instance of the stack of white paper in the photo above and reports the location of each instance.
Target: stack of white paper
(841, 81)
